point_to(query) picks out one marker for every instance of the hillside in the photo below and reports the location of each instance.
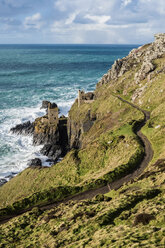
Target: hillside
(104, 147)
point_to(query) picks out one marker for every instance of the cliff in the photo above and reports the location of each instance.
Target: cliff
(105, 148)
(130, 77)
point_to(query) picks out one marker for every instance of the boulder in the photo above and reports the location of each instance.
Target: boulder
(35, 163)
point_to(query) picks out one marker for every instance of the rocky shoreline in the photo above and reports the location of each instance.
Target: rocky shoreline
(58, 135)
(49, 131)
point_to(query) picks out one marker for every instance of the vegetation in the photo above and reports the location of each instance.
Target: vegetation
(104, 221)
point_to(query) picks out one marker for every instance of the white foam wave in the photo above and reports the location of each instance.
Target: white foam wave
(22, 149)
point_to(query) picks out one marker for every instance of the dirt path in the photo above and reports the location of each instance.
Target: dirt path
(114, 185)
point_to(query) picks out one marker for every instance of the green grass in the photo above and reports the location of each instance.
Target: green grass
(88, 223)
(60, 193)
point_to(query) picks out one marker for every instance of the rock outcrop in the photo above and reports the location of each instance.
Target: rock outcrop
(45, 132)
(144, 55)
(51, 131)
(48, 130)
(76, 129)
(52, 151)
(35, 163)
(26, 128)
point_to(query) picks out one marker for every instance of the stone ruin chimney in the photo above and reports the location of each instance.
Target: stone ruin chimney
(81, 95)
(53, 113)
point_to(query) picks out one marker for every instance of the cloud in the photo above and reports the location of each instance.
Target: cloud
(33, 21)
(98, 19)
(81, 21)
(115, 21)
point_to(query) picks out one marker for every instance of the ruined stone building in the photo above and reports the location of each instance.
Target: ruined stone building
(53, 113)
(85, 97)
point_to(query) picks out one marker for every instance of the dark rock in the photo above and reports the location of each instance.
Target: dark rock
(52, 151)
(2, 181)
(10, 176)
(143, 218)
(45, 104)
(26, 128)
(49, 160)
(35, 163)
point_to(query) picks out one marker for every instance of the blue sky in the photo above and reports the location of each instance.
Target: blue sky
(80, 21)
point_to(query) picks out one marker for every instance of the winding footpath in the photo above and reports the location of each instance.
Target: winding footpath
(114, 185)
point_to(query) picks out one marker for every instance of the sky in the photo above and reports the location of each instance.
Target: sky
(80, 21)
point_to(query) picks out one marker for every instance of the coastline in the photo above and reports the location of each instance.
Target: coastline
(17, 109)
(26, 149)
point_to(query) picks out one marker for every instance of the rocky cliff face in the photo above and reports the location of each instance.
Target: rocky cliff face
(144, 55)
(79, 124)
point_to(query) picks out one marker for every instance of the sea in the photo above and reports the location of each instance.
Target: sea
(30, 74)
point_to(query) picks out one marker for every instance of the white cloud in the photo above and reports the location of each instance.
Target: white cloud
(98, 19)
(33, 21)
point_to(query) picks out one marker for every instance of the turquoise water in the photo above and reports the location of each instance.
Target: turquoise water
(30, 74)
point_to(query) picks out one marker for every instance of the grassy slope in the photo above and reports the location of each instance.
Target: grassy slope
(99, 222)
